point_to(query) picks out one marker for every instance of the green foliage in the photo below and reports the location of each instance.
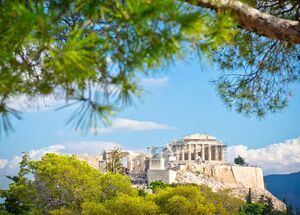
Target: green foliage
(18, 196)
(223, 202)
(62, 183)
(142, 193)
(113, 185)
(94, 208)
(124, 204)
(239, 161)
(249, 197)
(256, 73)
(114, 163)
(268, 205)
(186, 199)
(154, 185)
(64, 180)
(92, 53)
(252, 209)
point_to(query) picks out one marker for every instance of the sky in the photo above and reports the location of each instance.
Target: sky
(177, 101)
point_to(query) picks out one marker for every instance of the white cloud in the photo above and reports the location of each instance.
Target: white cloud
(3, 163)
(122, 124)
(26, 104)
(10, 167)
(155, 82)
(276, 158)
(91, 147)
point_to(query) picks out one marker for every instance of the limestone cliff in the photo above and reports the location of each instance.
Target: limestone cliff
(238, 179)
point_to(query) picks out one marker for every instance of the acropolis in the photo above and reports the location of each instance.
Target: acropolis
(161, 163)
(196, 158)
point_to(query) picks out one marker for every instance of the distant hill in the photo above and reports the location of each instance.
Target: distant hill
(285, 186)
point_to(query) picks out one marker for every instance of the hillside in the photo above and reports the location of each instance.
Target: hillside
(285, 186)
(219, 177)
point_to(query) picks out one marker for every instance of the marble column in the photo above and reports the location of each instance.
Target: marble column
(177, 154)
(129, 164)
(216, 152)
(221, 153)
(142, 164)
(196, 152)
(202, 152)
(182, 153)
(209, 152)
(189, 152)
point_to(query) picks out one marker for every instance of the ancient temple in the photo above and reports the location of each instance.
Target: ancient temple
(196, 148)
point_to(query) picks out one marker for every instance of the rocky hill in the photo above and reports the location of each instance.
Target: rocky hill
(237, 179)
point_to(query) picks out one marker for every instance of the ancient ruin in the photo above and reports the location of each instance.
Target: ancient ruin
(196, 158)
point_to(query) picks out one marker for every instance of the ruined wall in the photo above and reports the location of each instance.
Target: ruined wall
(237, 178)
(167, 176)
(232, 175)
(92, 160)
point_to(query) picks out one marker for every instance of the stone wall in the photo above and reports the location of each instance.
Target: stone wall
(232, 175)
(92, 160)
(167, 176)
(236, 178)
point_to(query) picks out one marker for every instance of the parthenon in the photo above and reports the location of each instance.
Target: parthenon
(196, 148)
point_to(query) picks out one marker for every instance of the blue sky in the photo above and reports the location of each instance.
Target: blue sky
(179, 100)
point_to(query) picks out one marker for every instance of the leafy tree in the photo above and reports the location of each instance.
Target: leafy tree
(64, 181)
(186, 199)
(268, 205)
(239, 161)
(17, 197)
(289, 210)
(252, 209)
(249, 197)
(94, 208)
(114, 163)
(92, 53)
(113, 185)
(223, 202)
(154, 185)
(124, 204)
(62, 184)
(142, 193)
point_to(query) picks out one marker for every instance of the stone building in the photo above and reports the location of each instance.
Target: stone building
(196, 148)
(193, 149)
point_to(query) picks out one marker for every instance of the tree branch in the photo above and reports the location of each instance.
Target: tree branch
(256, 21)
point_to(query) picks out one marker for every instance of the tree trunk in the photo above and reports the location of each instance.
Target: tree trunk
(255, 21)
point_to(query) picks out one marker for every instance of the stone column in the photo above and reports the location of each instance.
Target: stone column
(189, 152)
(209, 152)
(129, 165)
(202, 152)
(196, 152)
(221, 153)
(182, 153)
(142, 164)
(216, 152)
(177, 153)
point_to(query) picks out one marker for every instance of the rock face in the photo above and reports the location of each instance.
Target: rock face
(237, 178)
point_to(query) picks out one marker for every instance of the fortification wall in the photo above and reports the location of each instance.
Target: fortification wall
(232, 175)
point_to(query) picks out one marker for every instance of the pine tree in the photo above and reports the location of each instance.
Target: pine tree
(249, 197)
(240, 161)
